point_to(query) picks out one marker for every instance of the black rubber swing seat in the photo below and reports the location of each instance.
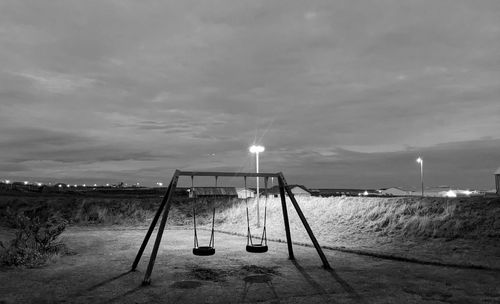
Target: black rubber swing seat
(257, 248)
(204, 250)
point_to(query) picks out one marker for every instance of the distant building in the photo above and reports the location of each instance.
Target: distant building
(497, 180)
(297, 190)
(395, 191)
(244, 193)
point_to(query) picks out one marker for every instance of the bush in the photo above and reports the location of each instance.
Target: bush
(35, 240)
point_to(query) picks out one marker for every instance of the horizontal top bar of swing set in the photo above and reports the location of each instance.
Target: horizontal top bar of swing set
(228, 174)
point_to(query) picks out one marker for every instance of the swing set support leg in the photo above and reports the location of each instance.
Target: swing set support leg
(151, 229)
(285, 220)
(147, 276)
(322, 256)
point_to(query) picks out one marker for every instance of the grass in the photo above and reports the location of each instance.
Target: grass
(349, 217)
(35, 241)
(334, 220)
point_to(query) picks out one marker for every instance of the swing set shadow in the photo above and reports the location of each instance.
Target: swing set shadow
(167, 202)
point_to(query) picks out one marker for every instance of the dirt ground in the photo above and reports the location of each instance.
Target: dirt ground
(99, 273)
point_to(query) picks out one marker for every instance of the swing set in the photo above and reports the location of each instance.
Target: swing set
(210, 249)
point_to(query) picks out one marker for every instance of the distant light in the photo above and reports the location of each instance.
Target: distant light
(84, 185)
(450, 193)
(39, 184)
(68, 186)
(75, 185)
(95, 185)
(365, 193)
(25, 182)
(59, 185)
(7, 181)
(256, 149)
(467, 192)
(160, 184)
(419, 160)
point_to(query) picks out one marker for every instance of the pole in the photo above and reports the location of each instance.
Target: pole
(422, 175)
(159, 234)
(285, 219)
(151, 228)
(322, 256)
(258, 194)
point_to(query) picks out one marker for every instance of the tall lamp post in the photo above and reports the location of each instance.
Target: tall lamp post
(257, 149)
(421, 162)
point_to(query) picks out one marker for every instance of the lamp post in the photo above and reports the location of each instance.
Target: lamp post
(257, 149)
(421, 162)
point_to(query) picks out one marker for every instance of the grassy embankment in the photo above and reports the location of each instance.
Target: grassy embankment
(344, 217)
(330, 218)
(351, 222)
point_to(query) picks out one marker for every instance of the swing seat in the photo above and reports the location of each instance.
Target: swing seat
(257, 248)
(204, 250)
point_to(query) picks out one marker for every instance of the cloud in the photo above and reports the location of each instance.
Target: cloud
(467, 164)
(57, 82)
(99, 83)
(24, 145)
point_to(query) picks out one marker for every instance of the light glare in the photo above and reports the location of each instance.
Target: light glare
(450, 193)
(256, 149)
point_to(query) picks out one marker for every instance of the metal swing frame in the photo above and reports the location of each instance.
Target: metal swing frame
(167, 202)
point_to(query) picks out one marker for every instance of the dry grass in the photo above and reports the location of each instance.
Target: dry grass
(333, 220)
(343, 218)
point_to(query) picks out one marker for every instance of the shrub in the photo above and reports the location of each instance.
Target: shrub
(35, 240)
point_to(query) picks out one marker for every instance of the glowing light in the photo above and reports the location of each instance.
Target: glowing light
(84, 185)
(365, 193)
(95, 185)
(467, 192)
(107, 185)
(7, 181)
(39, 184)
(59, 186)
(450, 193)
(68, 186)
(256, 149)
(159, 184)
(421, 162)
(25, 182)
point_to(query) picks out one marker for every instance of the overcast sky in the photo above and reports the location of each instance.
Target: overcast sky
(341, 93)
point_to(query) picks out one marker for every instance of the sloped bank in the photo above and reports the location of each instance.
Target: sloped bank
(459, 231)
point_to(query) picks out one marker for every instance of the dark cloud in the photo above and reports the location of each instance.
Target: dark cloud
(122, 86)
(467, 164)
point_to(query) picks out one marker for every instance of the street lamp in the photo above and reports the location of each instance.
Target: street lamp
(257, 149)
(421, 162)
